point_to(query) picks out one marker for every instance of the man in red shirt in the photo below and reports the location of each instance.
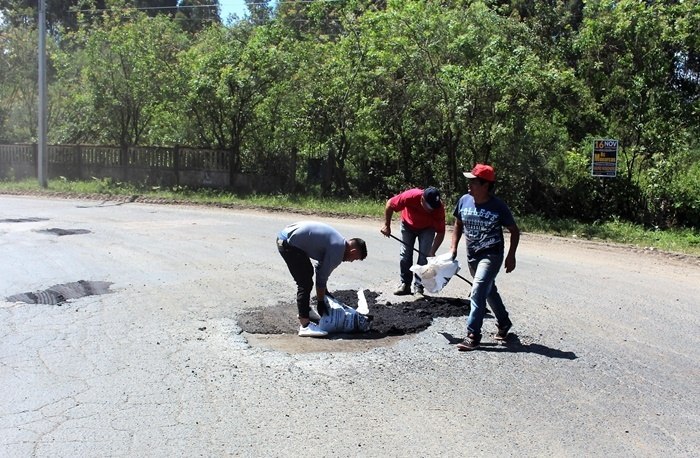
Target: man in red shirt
(422, 218)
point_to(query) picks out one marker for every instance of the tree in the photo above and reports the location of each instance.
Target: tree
(259, 11)
(630, 57)
(455, 87)
(194, 15)
(18, 83)
(230, 72)
(125, 69)
(274, 142)
(59, 13)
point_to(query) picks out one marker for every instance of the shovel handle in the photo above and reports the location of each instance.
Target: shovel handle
(419, 252)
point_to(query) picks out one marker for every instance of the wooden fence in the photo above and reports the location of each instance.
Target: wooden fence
(142, 165)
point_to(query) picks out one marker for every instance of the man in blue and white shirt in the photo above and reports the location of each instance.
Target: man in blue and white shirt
(481, 216)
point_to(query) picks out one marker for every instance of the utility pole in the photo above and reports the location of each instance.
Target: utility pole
(42, 160)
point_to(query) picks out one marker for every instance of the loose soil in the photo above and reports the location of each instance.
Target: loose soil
(388, 318)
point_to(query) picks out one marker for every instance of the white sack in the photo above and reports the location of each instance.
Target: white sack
(342, 318)
(437, 272)
(362, 306)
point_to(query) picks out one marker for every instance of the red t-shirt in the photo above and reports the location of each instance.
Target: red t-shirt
(413, 213)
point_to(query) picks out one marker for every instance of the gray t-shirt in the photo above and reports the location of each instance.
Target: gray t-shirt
(320, 242)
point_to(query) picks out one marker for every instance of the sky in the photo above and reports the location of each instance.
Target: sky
(232, 7)
(236, 7)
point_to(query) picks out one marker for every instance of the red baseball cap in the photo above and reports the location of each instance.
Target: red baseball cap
(483, 171)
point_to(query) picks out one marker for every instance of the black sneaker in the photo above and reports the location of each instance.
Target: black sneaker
(419, 290)
(502, 333)
(404, 289)
(471, 342)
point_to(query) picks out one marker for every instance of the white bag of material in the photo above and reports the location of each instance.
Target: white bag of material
(437, 272)
(362, 306)
(341, 318)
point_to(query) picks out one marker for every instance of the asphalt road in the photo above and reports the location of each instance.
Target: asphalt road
(606, 358)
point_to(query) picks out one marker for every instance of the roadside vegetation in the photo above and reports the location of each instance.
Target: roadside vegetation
(685, 241)
(366, 98)
(351, 101)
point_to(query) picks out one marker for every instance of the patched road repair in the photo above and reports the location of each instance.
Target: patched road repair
(132, 329)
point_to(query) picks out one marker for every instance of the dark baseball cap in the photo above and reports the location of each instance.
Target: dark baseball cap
(432, 197)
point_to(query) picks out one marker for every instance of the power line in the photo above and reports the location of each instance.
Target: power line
(146, 8)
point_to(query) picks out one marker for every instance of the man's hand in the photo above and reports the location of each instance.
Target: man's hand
(321, 294)
(514, 240)
(388, 212)
(510, 263)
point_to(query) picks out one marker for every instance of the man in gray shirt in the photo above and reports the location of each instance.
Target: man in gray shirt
(301, 242)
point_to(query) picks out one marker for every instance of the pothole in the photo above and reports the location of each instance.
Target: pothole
(388, 318)
(61, 232)
(59, 294)
(22, 220)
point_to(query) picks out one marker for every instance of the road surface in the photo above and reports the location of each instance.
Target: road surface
(606, 358)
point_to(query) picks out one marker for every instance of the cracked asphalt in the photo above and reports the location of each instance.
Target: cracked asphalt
(605, 358)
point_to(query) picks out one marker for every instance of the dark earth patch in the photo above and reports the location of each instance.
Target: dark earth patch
(388, 318)
(61, 232)
(59, 294)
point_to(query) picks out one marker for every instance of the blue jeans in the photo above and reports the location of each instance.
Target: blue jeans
(425, 242)
(484, 270)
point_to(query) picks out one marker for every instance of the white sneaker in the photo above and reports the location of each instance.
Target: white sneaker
(311, 330)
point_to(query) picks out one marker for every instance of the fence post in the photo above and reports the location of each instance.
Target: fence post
(80, 162)
(231, 174)
(35, 158)
(176, 164)
(124, 162)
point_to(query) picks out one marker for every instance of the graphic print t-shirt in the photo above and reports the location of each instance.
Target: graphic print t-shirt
(483, 224)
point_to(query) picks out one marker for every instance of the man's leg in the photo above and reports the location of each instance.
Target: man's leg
(302, 271)
(409, 239)
(484, 272)
(499, 310)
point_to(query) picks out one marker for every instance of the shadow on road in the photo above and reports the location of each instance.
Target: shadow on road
(515, 345)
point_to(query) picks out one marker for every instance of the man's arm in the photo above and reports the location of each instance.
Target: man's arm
(514, 240)
(437, 241)
(332, 259)
(320, 301)
(388, 212)
(456, 235)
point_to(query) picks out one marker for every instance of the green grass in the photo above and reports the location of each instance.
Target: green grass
(675, 240)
